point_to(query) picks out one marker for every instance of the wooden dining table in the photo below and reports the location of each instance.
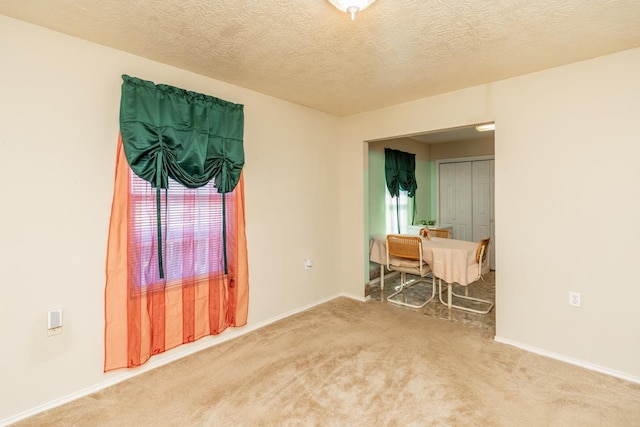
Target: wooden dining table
(453, 261)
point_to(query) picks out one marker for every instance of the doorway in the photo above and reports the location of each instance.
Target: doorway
(431, 149)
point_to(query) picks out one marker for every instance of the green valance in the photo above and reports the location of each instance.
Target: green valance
(190, 137)
(400, 172)
(185, 135)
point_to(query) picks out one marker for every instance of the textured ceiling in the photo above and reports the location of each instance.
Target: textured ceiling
(308, 52)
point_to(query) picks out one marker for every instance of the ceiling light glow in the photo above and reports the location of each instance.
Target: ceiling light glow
(351, 6)
(486, 127)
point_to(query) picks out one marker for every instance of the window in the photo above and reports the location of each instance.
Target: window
(397, 208)
(191, 233)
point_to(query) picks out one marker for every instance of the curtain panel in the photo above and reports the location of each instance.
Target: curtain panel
(150, 317)
(176, 257)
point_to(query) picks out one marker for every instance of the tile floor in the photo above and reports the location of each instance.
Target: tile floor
(422, 291)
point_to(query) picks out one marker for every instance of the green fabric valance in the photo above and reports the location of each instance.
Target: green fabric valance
(190, 137)
(400, 172)
(185, 135)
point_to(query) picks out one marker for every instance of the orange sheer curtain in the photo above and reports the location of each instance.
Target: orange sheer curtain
(146, 315)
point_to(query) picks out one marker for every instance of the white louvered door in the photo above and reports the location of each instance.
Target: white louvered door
(466, 200)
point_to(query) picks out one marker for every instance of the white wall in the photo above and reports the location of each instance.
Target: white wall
(59, 107)
(567, 153)
(567, 207)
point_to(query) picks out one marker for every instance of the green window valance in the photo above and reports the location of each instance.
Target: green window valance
(192, 138)
(188, 136)
(400, 172)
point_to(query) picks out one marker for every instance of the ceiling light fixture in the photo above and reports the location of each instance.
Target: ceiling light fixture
(352, 6)
(486, 127)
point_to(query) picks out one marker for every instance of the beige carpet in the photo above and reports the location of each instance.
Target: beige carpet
(346, 363)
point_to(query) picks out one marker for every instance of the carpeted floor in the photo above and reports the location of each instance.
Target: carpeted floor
(348, 363)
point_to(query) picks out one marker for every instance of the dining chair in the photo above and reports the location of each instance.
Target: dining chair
(439, 232)
(404, 254)
(481, 258)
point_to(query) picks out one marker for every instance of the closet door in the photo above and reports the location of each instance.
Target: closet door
(481, 196)
(467, 201)
(455, 199)
(447, 191)
(463, 226)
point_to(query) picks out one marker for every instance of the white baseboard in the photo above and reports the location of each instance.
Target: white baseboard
(167, 357)
(570, 360)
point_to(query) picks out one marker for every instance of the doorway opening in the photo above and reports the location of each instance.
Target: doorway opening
(432, 150)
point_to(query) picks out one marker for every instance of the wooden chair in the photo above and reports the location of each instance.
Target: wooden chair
(481, 258)
(439, 232)
(404, 254)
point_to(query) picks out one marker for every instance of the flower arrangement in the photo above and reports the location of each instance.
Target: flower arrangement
(424, 232)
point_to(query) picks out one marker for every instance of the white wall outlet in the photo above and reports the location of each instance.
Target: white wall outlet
(308, 263)
(575, 300)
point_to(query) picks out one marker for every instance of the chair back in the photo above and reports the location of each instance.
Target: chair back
(401, 246)
(483, 249)
(437, 232)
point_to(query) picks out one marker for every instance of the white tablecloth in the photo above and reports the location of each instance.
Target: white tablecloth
(453, 261)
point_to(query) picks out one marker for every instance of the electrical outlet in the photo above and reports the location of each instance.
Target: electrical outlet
(308, 263)
(574, 299)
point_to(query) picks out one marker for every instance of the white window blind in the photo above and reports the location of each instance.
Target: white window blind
(191, 231)
(403, 203)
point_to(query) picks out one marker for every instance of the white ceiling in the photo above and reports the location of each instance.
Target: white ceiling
(308, 52)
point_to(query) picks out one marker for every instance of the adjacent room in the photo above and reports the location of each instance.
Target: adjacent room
(264, 126)
(454, 176)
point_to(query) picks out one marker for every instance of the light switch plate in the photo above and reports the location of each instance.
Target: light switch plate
(575, 300)
(54, 320)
